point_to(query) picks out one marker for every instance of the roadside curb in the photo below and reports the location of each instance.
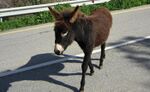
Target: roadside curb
(28, 28)
(133, 9)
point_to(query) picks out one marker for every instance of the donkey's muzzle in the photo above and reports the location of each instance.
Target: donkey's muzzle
(57, 52)
(58, 49)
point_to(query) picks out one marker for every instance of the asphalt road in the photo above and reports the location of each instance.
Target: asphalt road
(126, 68)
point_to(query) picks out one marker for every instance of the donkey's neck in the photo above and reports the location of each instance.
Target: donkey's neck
(83, 30)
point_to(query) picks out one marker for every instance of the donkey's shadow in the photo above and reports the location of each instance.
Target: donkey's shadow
(41, 74)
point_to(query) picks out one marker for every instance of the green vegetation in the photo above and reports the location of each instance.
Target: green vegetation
(45, 17)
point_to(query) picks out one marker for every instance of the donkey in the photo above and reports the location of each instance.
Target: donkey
(88, 31)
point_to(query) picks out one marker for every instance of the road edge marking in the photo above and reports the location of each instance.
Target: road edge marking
(27, 28)
(133, 9)
(3, 74)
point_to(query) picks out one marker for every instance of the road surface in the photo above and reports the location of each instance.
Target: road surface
(126, 68)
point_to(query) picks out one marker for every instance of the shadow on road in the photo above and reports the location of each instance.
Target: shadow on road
(43, 74)
(136, 53)
(139, 55)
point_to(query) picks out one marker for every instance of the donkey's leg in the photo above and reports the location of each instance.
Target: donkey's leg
(91, 68)
(85, 63)
(102, 55)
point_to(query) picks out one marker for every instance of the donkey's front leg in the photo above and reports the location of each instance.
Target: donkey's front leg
(85, 63)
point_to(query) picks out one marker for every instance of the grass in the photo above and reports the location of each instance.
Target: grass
(45, 17)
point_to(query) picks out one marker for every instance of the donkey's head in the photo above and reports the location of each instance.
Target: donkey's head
(64, 34)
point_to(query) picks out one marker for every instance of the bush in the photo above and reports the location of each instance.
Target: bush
(44, 17)
(27, 20)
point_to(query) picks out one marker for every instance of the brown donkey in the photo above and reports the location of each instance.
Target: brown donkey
(87, 31)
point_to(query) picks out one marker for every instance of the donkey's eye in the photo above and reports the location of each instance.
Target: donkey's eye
(64, 34)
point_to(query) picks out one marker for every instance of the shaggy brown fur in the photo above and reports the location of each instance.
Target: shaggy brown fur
(87, 31)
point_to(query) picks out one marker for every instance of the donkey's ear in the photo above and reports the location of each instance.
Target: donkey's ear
(54, 13)
(74, 15)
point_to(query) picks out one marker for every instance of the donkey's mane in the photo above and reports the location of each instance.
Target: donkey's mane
(66, 14)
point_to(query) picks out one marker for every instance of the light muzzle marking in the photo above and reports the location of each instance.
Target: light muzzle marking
(59, 47)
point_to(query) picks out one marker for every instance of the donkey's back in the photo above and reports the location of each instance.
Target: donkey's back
(101, 22)
(102, 15)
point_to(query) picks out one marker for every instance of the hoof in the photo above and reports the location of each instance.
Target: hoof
(81, 90)
(100, 67)
(91, 73)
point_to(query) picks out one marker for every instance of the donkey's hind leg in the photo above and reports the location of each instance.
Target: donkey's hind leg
(91, 68)
(102, 55)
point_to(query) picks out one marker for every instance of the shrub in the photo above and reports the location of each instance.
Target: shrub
(44, 17)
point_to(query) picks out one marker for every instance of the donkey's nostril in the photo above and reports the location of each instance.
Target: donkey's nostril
(58, 49)
(57, 52)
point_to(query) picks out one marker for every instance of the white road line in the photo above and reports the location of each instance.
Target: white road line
(118, 45)
(69, 58)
